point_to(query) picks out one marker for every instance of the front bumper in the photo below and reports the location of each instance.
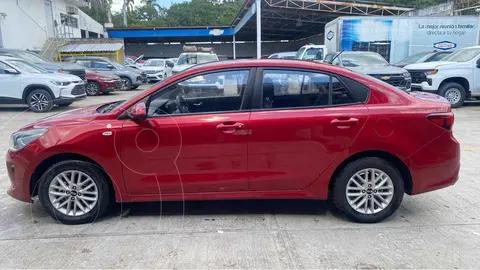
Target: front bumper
(18, 167)
(110, 86)
(155, 77)
(70, 93)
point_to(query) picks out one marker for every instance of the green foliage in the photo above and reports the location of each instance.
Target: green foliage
(188, 13)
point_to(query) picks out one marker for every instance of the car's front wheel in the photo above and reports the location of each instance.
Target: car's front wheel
(455, 94)
(92, 89)
(74, 192)
(40, 100)
(368, 190)
(126, 83)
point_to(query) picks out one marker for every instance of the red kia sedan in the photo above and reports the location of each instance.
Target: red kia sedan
(241, 130)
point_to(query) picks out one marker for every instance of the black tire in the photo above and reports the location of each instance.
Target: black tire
(134, 87)
(92, 89)
(42, 95)
(96, 175)
(446, 92)
(65, 104)
(339, 196)
(126, 83)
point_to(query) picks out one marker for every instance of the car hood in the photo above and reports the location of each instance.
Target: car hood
(57, 66)
(374, 70)
(73, 117)
(151, 68)
(103, 75)
(428, 65)
(58, 77)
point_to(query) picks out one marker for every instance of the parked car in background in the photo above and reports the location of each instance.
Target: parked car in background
(456, 77)
(98, 83)
(173, 60)
(157, 69)
(190, 59)
(422, 58)
(22, 82)
(283, 55)
(312, 52)
(139, 60)
(337, 134)
(44, 63)
(373, 64)
(131, 78)
(134, 63)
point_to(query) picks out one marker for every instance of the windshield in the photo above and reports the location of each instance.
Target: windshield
(298, 55)
(154, 63)
(313, 54)
(27, 67)
(414, 57)
(463, 55)
(196, 58)
(31, 57)
(356, 60)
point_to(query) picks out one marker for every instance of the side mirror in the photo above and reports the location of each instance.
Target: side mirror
(110, 67)
(169, 64)
(138, 112)
(11, 71)
(478, 65)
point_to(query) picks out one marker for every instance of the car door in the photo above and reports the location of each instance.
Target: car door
(301, 122)
(11, 86)
(188, 143)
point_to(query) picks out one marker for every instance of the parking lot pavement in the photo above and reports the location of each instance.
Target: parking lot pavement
(435, 230)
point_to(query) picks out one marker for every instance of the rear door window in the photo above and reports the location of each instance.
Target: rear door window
(300, 89)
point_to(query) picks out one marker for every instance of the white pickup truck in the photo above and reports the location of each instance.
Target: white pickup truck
(456, 77)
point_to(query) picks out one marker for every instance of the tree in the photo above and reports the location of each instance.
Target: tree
(99, 10)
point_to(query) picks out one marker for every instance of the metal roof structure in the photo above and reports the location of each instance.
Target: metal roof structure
(92, 47)
(295, 19)
(280, 20)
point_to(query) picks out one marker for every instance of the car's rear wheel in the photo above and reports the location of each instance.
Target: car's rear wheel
(74, 192)
(368, 190)
(40, 100)
(92, 88)
(126, 83)
(455, 94)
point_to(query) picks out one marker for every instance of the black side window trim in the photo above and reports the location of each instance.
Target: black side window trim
(258, 90)
(246, 99)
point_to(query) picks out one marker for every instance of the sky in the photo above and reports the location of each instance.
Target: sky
(117, 4)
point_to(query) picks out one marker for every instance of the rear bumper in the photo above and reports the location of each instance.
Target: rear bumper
(435, 166)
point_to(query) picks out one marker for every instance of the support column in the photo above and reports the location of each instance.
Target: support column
(259, 28)
(234, 48)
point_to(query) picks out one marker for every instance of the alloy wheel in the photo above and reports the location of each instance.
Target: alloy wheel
(92, 89)
(39, 101)
(73, 193)
(126, 85)
(369, 191)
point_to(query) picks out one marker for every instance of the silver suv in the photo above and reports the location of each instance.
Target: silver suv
(131, 78)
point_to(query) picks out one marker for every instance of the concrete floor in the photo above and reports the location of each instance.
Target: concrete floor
(435, 230)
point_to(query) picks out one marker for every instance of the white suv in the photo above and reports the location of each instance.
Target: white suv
(24, 83)
(456, 77)
(312, 52)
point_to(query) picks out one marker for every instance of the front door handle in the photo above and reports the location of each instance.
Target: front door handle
(344, 122)
(229, 127)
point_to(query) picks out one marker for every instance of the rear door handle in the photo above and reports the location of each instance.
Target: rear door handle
(344, 122)
(229, 127)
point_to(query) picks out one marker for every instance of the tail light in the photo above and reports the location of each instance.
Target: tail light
(444, 120)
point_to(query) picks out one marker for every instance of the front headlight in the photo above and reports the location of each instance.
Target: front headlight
(431, 72)
(59, 83)
(406, 75)
(61, 71)
(20, 139)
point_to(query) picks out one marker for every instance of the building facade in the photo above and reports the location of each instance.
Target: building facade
(27, 24)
